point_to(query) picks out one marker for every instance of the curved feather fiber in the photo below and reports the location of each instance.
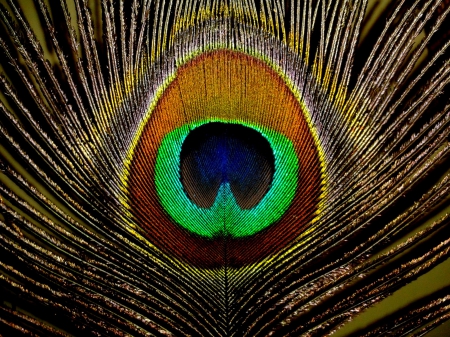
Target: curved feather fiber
(222, 168)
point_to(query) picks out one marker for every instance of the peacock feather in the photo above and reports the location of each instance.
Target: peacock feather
(223, 167)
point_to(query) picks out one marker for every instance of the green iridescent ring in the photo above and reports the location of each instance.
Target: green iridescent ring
(225, 217)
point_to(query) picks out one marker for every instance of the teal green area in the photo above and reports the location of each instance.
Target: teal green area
(225, 217)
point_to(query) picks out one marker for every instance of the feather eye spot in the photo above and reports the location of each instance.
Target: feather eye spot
(181, 185)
